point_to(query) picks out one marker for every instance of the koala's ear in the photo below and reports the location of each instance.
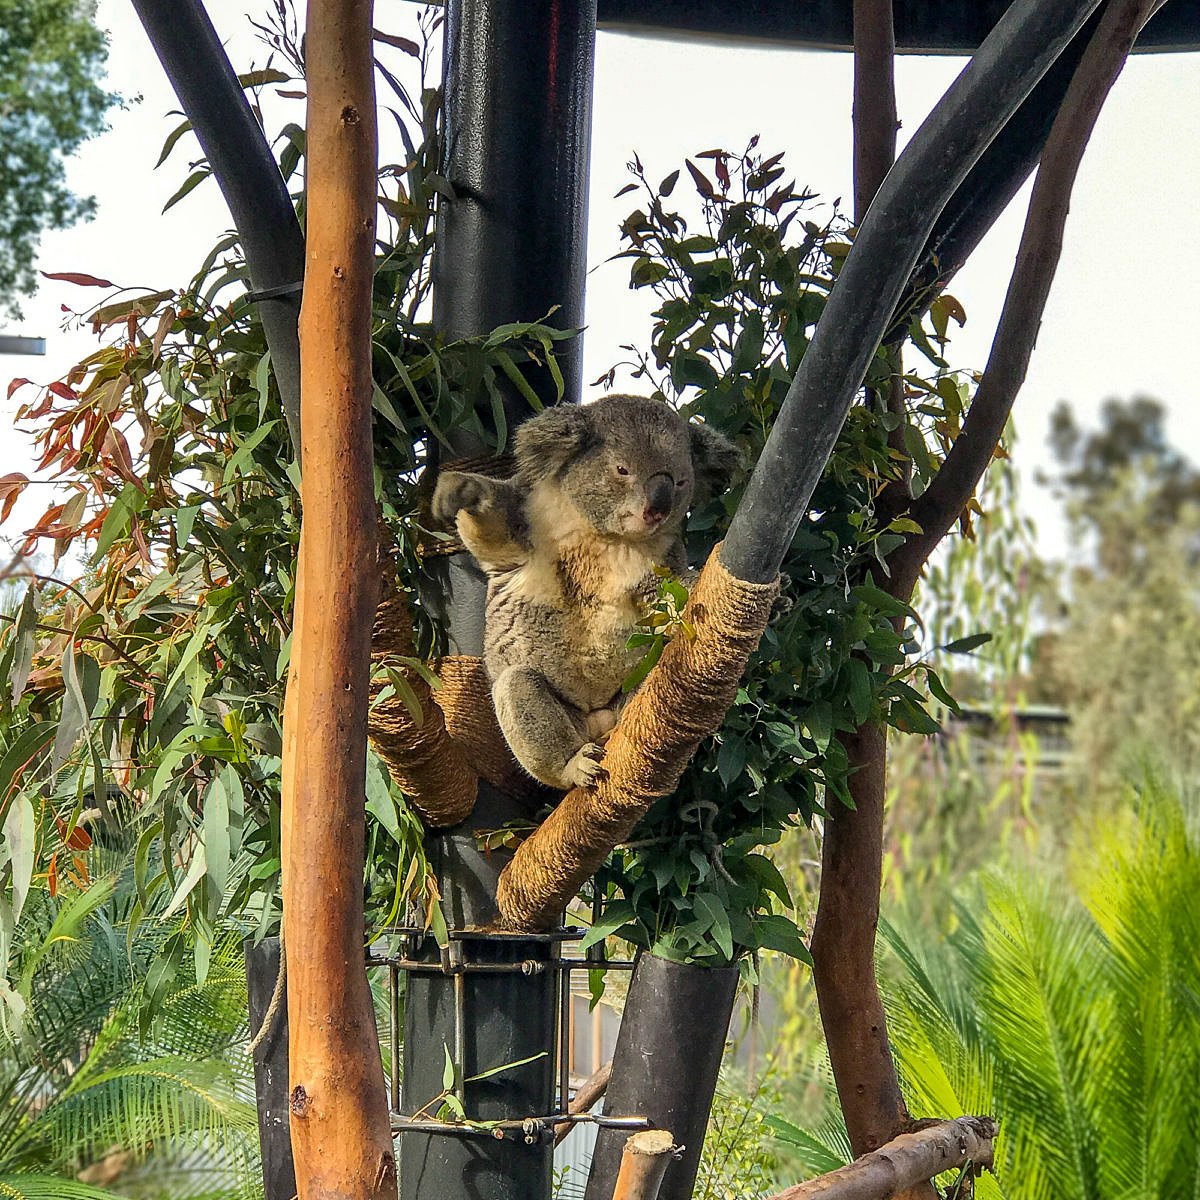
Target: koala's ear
(546, 443)
(714, 459)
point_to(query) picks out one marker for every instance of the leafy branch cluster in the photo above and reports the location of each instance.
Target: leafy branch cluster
(146, 695)
(740, 287)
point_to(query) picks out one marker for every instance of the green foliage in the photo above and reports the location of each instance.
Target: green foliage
(740, 288)
(1070, 1014)
(1124, 657)
(152, 686)
(738, 1160)
(96, 1089)
(51, 56)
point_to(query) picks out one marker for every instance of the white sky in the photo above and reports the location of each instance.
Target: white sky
(1122, 317)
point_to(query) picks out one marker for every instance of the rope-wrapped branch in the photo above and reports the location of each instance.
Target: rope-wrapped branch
(683, 700)
(910, 1159)
(421, 757)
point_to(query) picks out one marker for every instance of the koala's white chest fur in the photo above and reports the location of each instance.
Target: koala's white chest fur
(591, 591)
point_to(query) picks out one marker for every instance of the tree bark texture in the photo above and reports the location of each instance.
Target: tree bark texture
(911, 1159)
(843, 941)
(843, 951)
(340, 1129)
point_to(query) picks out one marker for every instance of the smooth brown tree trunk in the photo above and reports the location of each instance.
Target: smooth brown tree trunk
(340, 1129)
(843, 951)
(843, 941)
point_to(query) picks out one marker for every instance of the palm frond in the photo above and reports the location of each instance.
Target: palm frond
(49, 1187)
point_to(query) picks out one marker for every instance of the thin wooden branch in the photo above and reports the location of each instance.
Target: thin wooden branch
(1037, 261)
(911, 1159)
(644, 1162)
(843, 942)
(585, 1098)
(341, 1137)
(1013, 57)
(875, 121)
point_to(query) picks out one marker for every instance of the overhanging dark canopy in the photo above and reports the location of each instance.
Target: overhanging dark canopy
(922, 26)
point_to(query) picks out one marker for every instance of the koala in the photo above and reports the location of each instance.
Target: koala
(569, 546)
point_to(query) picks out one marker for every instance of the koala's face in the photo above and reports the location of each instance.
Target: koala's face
(629, 464)
(634, 479)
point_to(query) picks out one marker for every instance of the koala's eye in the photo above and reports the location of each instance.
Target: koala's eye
(622, 470)
(681, 483)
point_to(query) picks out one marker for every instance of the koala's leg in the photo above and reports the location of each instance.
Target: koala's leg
(544, 733)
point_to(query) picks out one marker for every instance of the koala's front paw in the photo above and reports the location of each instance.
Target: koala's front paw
(455, 491)
(584, 769)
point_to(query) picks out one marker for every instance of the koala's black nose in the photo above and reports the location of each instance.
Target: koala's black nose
(660, 492)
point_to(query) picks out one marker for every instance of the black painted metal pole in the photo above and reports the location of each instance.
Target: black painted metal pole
(206, 85)
(511, 246)
(246, 172)
(665, 1067)
(992, 183)
(1018, 52)
(270, 1069)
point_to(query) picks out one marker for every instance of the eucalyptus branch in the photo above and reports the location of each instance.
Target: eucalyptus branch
(1038, 256)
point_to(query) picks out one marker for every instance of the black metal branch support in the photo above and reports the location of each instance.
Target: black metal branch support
(1017, 53)
(511, 246)
(246, 172)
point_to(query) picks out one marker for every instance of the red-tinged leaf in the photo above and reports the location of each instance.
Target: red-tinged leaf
(116, 450)
(17, 383)
(290, 95)
(703, 184)
(33, 412)
(139, 540)
(77, 839)
(77, 277)
(11, 486)
(629, 187)
(401, 43)
(52, 876)
(61, 389)
(720, 165)
(82, 874)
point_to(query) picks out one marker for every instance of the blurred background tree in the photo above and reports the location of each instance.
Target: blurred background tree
(52, 59)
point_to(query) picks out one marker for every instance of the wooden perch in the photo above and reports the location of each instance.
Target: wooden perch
(910, 1159)
(683, 700)
(585, 1098)
(644, 1162)
(426, 764)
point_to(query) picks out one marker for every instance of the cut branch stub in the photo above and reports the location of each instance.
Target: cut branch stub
(683, 700)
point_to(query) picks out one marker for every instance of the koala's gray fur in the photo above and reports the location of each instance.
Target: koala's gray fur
(569, 545)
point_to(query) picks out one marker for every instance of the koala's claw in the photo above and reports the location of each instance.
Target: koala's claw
(455, 491)
(584, 769)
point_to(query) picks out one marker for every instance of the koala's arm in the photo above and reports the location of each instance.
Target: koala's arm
(488, 515)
